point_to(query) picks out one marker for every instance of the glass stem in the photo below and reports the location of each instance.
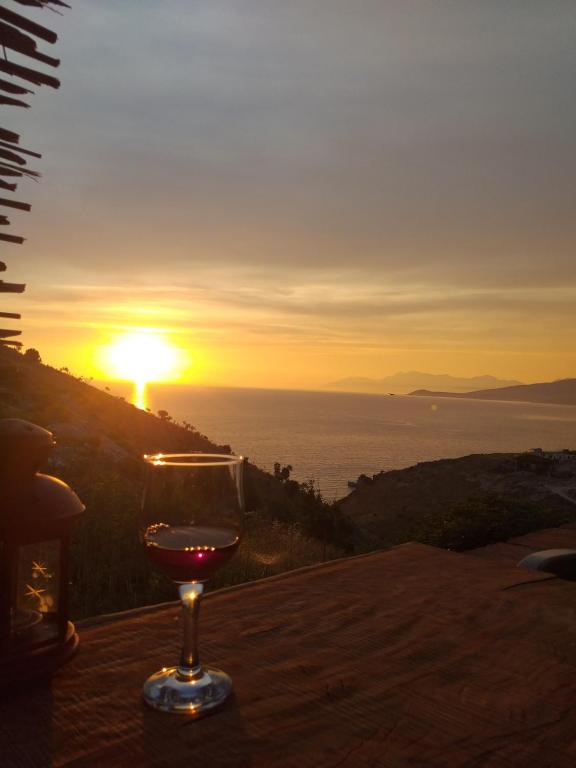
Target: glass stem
(190, 595)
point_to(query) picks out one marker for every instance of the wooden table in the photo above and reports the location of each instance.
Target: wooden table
(409, 657)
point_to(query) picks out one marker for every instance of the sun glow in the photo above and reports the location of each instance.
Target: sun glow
(142, 356)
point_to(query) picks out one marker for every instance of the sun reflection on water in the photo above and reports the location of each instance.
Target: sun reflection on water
(140, 395)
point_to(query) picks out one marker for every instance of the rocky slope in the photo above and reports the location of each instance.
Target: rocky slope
(418, 502)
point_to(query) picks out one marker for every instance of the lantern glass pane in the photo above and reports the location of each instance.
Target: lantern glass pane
(36, 606)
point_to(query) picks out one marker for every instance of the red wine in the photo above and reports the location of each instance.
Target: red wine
(189, 553)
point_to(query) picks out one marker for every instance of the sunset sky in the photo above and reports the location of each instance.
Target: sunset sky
(300, 191)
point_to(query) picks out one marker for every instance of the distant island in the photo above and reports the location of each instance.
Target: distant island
(562, 392)
(404, 382)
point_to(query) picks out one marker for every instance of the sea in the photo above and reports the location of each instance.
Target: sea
(331, 438)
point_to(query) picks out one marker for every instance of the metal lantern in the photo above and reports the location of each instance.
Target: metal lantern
(36, 515)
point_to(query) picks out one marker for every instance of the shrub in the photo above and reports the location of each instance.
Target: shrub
(485, 520)
(32, 355)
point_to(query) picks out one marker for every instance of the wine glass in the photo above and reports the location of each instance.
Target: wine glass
(192, 513)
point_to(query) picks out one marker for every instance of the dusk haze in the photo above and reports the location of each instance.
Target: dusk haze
(296, 194)
(287, 383)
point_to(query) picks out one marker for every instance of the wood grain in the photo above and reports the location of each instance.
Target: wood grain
(512, 551)
(409, 657)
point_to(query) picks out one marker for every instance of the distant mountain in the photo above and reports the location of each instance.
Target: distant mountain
(404, 382)
(562, 392)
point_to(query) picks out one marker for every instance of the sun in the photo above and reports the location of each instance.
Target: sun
(142, 357)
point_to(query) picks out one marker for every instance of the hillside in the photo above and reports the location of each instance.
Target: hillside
(100, 442)
(562, 392)
(455, 502)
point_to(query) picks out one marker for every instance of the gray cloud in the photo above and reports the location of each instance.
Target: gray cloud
(402, 143)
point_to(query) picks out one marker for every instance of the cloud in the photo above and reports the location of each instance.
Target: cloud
(312, 168)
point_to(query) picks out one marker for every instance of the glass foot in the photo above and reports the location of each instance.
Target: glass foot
(195, 694)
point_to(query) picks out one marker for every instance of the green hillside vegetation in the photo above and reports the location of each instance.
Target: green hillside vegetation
(100, 442)
(454, 503)
(463, 503)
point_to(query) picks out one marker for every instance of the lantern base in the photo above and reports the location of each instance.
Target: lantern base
(37, 665)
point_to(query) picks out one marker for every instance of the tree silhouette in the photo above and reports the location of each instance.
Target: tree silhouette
(33, 355)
